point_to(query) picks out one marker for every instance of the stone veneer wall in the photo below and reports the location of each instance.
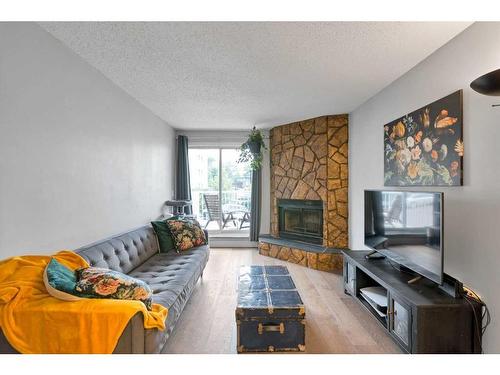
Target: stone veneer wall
(309, 161)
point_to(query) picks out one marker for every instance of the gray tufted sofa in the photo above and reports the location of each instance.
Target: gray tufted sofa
(172, 278)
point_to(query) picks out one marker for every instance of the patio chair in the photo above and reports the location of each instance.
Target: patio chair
(237, 212)
(214, 211)
(245, 219)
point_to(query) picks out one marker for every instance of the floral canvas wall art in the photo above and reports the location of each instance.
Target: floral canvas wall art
(425, 147)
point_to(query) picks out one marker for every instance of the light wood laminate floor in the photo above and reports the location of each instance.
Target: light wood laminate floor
(334, 322)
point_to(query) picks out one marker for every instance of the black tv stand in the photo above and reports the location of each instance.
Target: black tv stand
(421, 317)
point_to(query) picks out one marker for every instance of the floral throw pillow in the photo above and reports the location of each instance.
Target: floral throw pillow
(186, 233)
(96, 282)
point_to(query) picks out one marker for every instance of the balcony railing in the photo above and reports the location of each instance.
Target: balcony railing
(232, 200)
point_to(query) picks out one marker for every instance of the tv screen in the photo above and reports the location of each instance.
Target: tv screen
(407, 227)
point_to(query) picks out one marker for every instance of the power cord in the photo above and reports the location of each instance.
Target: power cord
(470, 296)
(486, 312)
(478, 334)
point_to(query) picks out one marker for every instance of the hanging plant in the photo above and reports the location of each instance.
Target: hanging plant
(253, 150)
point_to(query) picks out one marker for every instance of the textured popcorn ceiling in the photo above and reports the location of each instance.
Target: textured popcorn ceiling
(234, 75)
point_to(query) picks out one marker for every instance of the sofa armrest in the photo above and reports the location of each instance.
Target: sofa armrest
(132, 339)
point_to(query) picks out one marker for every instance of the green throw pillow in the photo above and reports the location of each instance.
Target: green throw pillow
(164, 237)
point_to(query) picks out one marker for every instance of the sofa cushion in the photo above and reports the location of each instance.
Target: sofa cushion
(165, 240)
(186, 233)
(60, 281)
(122, 253)
(95, 282)
(172, 277)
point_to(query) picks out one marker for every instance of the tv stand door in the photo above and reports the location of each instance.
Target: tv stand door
(400, 320)
(350, 278)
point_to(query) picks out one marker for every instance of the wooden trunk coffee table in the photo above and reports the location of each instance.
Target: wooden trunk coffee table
(270, 313)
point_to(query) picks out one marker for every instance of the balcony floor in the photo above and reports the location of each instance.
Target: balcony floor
(230, 231)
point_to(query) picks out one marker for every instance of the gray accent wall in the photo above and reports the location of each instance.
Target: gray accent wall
(472, 212)
(80, 159)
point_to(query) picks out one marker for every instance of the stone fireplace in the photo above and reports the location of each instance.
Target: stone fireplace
(309, 163)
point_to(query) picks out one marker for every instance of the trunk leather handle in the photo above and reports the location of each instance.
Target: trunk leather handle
(271, 328)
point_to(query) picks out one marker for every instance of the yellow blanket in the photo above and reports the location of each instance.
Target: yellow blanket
(35, 322)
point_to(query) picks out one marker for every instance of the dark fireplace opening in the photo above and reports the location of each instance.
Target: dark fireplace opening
(301, 219)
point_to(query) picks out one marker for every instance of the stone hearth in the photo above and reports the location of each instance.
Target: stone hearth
(309, 160)
(313, 256)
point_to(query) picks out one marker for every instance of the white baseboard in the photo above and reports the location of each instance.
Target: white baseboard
(231, 242)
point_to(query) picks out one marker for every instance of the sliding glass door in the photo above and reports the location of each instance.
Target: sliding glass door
(221, 189)
(204, 175)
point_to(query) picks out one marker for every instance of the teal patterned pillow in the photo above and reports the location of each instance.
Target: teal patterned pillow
(60, 281)
(60, 277)
(104, 283)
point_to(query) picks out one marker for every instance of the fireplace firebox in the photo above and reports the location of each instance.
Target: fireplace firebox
(301, 220)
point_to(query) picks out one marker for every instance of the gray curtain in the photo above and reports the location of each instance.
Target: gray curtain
(182, 182)
(255, 205)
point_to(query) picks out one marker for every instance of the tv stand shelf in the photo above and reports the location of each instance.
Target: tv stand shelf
(421, 317)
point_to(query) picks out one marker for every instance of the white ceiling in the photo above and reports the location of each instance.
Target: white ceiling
(232, 75)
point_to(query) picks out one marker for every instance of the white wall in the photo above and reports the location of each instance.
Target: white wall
(472, 212)
(79, 158)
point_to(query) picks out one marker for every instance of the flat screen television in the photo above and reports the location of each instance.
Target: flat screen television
(407, 227)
